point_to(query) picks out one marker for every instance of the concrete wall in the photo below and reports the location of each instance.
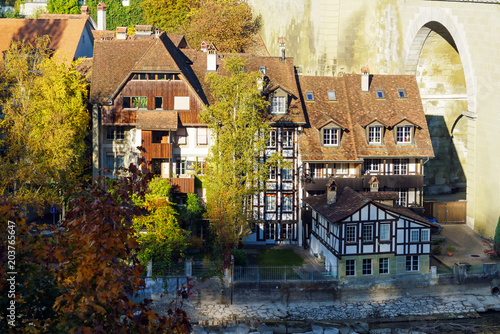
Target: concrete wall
(331, 37)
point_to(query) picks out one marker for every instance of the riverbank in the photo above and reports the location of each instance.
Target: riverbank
(313, 304)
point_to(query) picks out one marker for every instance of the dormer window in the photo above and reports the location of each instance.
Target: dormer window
(401, 92)
(331, 136)
(375, 134)
(332, 96)
(310, 96)
(404, 134)
(380, 93)
(278, 104)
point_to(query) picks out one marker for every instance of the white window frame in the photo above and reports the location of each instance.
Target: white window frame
(401, 166)
(425, 235)
(402, 93)
(403, 196)
(342, 168)
(384, 233)
(331, 136)
(272, 173)
(201, 136)
(272, 139)
(367, 267)
(414, 235)
(270, 204)
(372, 165)
(287, 138)
(278, 105)
(350, 233)
(368, 233)
(287, 203)
(181, 167)
(115, 157)
(375, 134)
(404, 134)
(332, 96)
(348, 265)
(383, 266)
(287, 174)
(411, 261)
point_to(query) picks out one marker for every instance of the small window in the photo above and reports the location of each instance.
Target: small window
(404, 134)
(262, 70)
(151, 76)
(158, 102)
(278, 105)
(202, 136)
(412, 263)
(272, 173)
(331, 137)
(332, 96)
(272, 139)
(375, 134)
(401, 166)
(142, 76)
(385, 230)
(350, 268)
(287, 174)
(115, 133)
(414, 235)
(270, 203)
(181, 103)
(367, 233)
(135, 77)
(160, 76)
(372, 165)
(181, 136)
(181, 166)
(342, 168)
(380, 93)
(401, 92)
(287, 204)
(425, 236)
(287, 138)
(126, 102)
(367, 267)
(139, 102)
(350, 233)
(383, 266)
(309, 96)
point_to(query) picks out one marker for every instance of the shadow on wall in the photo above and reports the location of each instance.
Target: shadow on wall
(444, 174)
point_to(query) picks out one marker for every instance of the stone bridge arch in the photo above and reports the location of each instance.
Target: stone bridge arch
(442, 22)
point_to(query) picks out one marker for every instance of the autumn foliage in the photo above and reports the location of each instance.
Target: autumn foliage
(86, 271)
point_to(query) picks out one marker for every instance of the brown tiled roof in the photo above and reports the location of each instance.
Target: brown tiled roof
(280, 73)
(65, 34)
(157, 120)
(321, 112)
(104, 35)
(391, 110)
(382, 195)
(179, 41)
(351, 201)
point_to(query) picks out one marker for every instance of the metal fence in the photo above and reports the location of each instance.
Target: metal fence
(485, 269)
(280, 274)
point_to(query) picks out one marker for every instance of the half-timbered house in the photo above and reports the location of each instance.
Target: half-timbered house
(360, 237)
(365, 125)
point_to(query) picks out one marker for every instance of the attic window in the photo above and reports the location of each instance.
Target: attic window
(402, 92)
(155, 76)
(278, 105)
(331, 136)
(310, 96)
(332, 96)
(262, 70)
(380, 93)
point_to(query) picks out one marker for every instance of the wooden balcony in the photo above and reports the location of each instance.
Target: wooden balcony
(154, 150)
(182, 185)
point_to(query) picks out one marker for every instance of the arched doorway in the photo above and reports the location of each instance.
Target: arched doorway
(440, 63)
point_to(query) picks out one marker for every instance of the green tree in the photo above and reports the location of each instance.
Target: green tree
(44, 123)
(163, 238)
(192, 212)
(169, 15)
(118, 15)
(496, 239)
(63, 7)
(228, 24)
(235, 170)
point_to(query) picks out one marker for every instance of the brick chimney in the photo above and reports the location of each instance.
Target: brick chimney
(331, 192)
(101, 16)
(85, 10)
(365, 79)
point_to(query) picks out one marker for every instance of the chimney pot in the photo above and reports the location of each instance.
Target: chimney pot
(365, 79)
(85, 10)
(121, 32)
(281, 42)
(211, 57)
(331, 192)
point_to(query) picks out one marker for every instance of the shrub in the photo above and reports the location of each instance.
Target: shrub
(195, 242)
(450, 249)
(436, 250)
(240, 257)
